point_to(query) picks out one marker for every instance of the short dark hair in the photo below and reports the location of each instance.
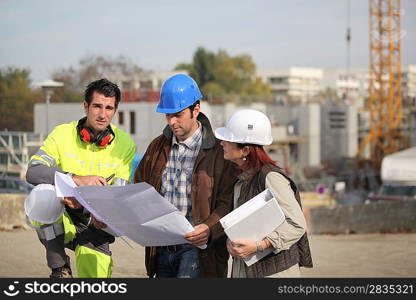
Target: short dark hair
(105, 87)
(192, 107)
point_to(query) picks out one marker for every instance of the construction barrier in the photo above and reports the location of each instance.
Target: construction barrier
(362, 218)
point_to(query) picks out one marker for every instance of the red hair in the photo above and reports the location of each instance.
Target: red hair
(257, 158)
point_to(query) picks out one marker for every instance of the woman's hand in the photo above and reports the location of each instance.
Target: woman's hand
(241, 248)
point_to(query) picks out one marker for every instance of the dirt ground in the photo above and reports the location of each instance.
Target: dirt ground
(356, 255)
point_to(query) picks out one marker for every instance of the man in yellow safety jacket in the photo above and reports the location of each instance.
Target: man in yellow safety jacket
(93, 151)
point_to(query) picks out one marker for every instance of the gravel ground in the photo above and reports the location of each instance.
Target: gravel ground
(355, 255)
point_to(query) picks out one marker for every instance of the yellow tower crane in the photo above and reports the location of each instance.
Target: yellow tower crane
(385, 97)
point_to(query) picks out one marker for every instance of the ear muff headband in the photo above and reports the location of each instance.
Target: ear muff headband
(105, 138)
(87, 135)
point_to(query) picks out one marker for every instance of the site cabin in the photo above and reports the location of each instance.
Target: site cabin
(398, 176)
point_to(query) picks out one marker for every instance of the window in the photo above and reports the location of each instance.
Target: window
(4, 158)
(146, 84)
(16, 142)
(278, 80)
(132, 122)
(121, 117)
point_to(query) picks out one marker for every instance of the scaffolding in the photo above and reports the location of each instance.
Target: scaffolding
(15, 151)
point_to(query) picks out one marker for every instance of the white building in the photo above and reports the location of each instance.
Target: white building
(293, 84)
(144, 86)
(290, 123)
(138, 119)
(352, 85)
(355, 84)
(409, 82)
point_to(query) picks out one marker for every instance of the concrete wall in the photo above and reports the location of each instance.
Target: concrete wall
(310, 132)
(12, 212)
(339, 131)
(339, 219)
(362, 218)
(148, 123)
(334, 137)
(281, 114)
(45, 118)
(352, 129)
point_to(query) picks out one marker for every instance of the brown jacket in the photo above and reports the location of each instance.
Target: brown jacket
(299, 253)
(211, 193)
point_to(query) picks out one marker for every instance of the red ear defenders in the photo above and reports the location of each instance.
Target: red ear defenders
(86, 134)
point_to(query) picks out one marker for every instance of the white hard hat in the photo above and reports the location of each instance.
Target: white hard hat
(42, 205)
(246, 126)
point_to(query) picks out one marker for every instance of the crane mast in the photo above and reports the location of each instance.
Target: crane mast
(385, 85)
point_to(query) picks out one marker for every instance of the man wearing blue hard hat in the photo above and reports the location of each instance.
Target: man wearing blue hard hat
(186, 165)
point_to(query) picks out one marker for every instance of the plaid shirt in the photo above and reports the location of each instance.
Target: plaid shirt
(177, 176)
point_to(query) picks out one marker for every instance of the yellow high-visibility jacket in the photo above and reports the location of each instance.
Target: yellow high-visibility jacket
(64, 150)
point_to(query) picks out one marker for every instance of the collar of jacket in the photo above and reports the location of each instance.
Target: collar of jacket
(246, 175)
(208, 138)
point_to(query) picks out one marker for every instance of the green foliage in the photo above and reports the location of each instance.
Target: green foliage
(219, 73)
(213, 88)
(203, 66)
(16, 100)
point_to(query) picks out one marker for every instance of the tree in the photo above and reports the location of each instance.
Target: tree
(219, 73)
(203, 66)
(91, 68)
(71, 91)
(17, 99)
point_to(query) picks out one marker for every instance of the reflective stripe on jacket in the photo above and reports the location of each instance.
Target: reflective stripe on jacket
(64, 149)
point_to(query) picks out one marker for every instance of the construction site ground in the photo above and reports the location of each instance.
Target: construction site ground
(353, 255)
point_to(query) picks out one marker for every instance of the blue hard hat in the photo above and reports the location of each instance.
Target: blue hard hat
(178, 92)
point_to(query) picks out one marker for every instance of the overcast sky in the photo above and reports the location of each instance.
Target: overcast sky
(45, 35)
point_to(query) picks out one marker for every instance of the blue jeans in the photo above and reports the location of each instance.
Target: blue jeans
(183, 263)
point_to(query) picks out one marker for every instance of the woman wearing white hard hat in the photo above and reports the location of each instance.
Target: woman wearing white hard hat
(242, 139)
